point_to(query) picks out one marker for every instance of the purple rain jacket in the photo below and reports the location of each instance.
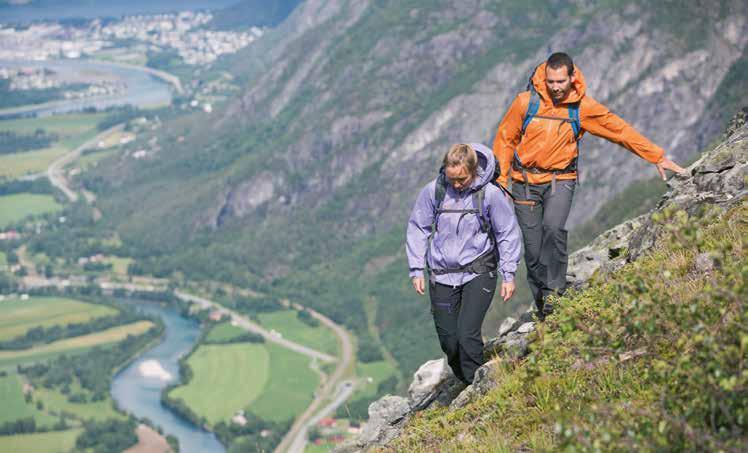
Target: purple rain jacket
(459, 241)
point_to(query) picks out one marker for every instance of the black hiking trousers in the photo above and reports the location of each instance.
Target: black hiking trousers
(458, 316)
(542, 219)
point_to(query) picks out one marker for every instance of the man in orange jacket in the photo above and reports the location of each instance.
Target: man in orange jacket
(536, 146)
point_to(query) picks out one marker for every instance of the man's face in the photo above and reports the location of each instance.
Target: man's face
(459, 177)
(558, 83)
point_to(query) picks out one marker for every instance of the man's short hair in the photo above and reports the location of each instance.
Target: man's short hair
(560, 59)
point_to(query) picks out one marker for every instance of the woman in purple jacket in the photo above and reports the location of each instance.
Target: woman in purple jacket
(463, 233)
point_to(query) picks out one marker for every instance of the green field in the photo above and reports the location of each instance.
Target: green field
(223, 332)
(54, 400)
(15, 165)
(288, 324)
(73, 130)
(11, 394)
(18, 316)
(18, 206)
(119, 265)
(54, 442)
(63, 125)
(377, 371)
(290, 388)
(14, 405)
(226, 378)
(74, 345)
(91, 159)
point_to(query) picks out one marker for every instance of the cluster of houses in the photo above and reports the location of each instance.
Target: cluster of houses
(10, 235)
(4, 297)
(330, 431)
(183, 32)
(98, 258)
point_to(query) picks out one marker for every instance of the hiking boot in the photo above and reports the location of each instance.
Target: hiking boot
(547, 309)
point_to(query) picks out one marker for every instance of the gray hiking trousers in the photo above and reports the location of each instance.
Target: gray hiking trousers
(542, 219)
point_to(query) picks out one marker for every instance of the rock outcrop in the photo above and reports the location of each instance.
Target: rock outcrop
(717, 180)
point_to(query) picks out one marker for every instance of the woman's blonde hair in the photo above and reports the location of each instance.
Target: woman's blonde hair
(462, 154)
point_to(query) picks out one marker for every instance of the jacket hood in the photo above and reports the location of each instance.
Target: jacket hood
(578, 89)
(486, 165)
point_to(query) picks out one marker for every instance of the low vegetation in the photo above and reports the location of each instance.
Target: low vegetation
(21, 316)
(292, 325)
(650, 358)
(19, 206)
(225, 379)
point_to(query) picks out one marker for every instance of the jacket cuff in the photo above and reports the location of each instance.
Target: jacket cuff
(507, 277)
(415, 273)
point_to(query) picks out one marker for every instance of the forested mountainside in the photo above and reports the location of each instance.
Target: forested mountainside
(301, 185)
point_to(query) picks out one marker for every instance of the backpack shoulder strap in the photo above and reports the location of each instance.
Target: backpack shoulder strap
(532, 108)
(576, 124)
(440, 191)
(479, 197)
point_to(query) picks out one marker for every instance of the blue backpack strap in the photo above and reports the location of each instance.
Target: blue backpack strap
(576, 124)
(532, 108)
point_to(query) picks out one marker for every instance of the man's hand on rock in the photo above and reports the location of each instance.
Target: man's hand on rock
(668, 164)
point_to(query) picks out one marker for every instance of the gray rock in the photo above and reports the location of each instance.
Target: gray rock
(526, 327)
(483, 382)
(704, 263)
(718, 181)
(513, 345)
(448, 391)
(507, 326)
(424, 388)
(516, 346)
(386, 418)
(528, 316)
(608, 252)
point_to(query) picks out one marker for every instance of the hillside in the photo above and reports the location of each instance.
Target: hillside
(647, 354)
(300, 185)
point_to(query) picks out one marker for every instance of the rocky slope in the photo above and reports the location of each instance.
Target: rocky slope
(717, 182)
(348, 106)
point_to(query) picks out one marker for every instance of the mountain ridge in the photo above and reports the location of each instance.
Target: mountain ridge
(348, 106)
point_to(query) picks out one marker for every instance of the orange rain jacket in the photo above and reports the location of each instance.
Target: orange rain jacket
(550, 144)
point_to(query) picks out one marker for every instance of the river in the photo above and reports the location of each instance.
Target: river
(142, 89)
(141, 395)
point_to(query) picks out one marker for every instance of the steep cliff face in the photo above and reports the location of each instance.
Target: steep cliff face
(606, 336)
(400, 95)
(309, 174)
(354, 88)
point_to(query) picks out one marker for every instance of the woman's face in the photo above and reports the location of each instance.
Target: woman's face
(459, 177)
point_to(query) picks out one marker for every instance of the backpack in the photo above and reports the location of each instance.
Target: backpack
(482, 264)
(532, 112)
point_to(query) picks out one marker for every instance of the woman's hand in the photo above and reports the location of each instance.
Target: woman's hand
(507, 290)
(419, 284)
